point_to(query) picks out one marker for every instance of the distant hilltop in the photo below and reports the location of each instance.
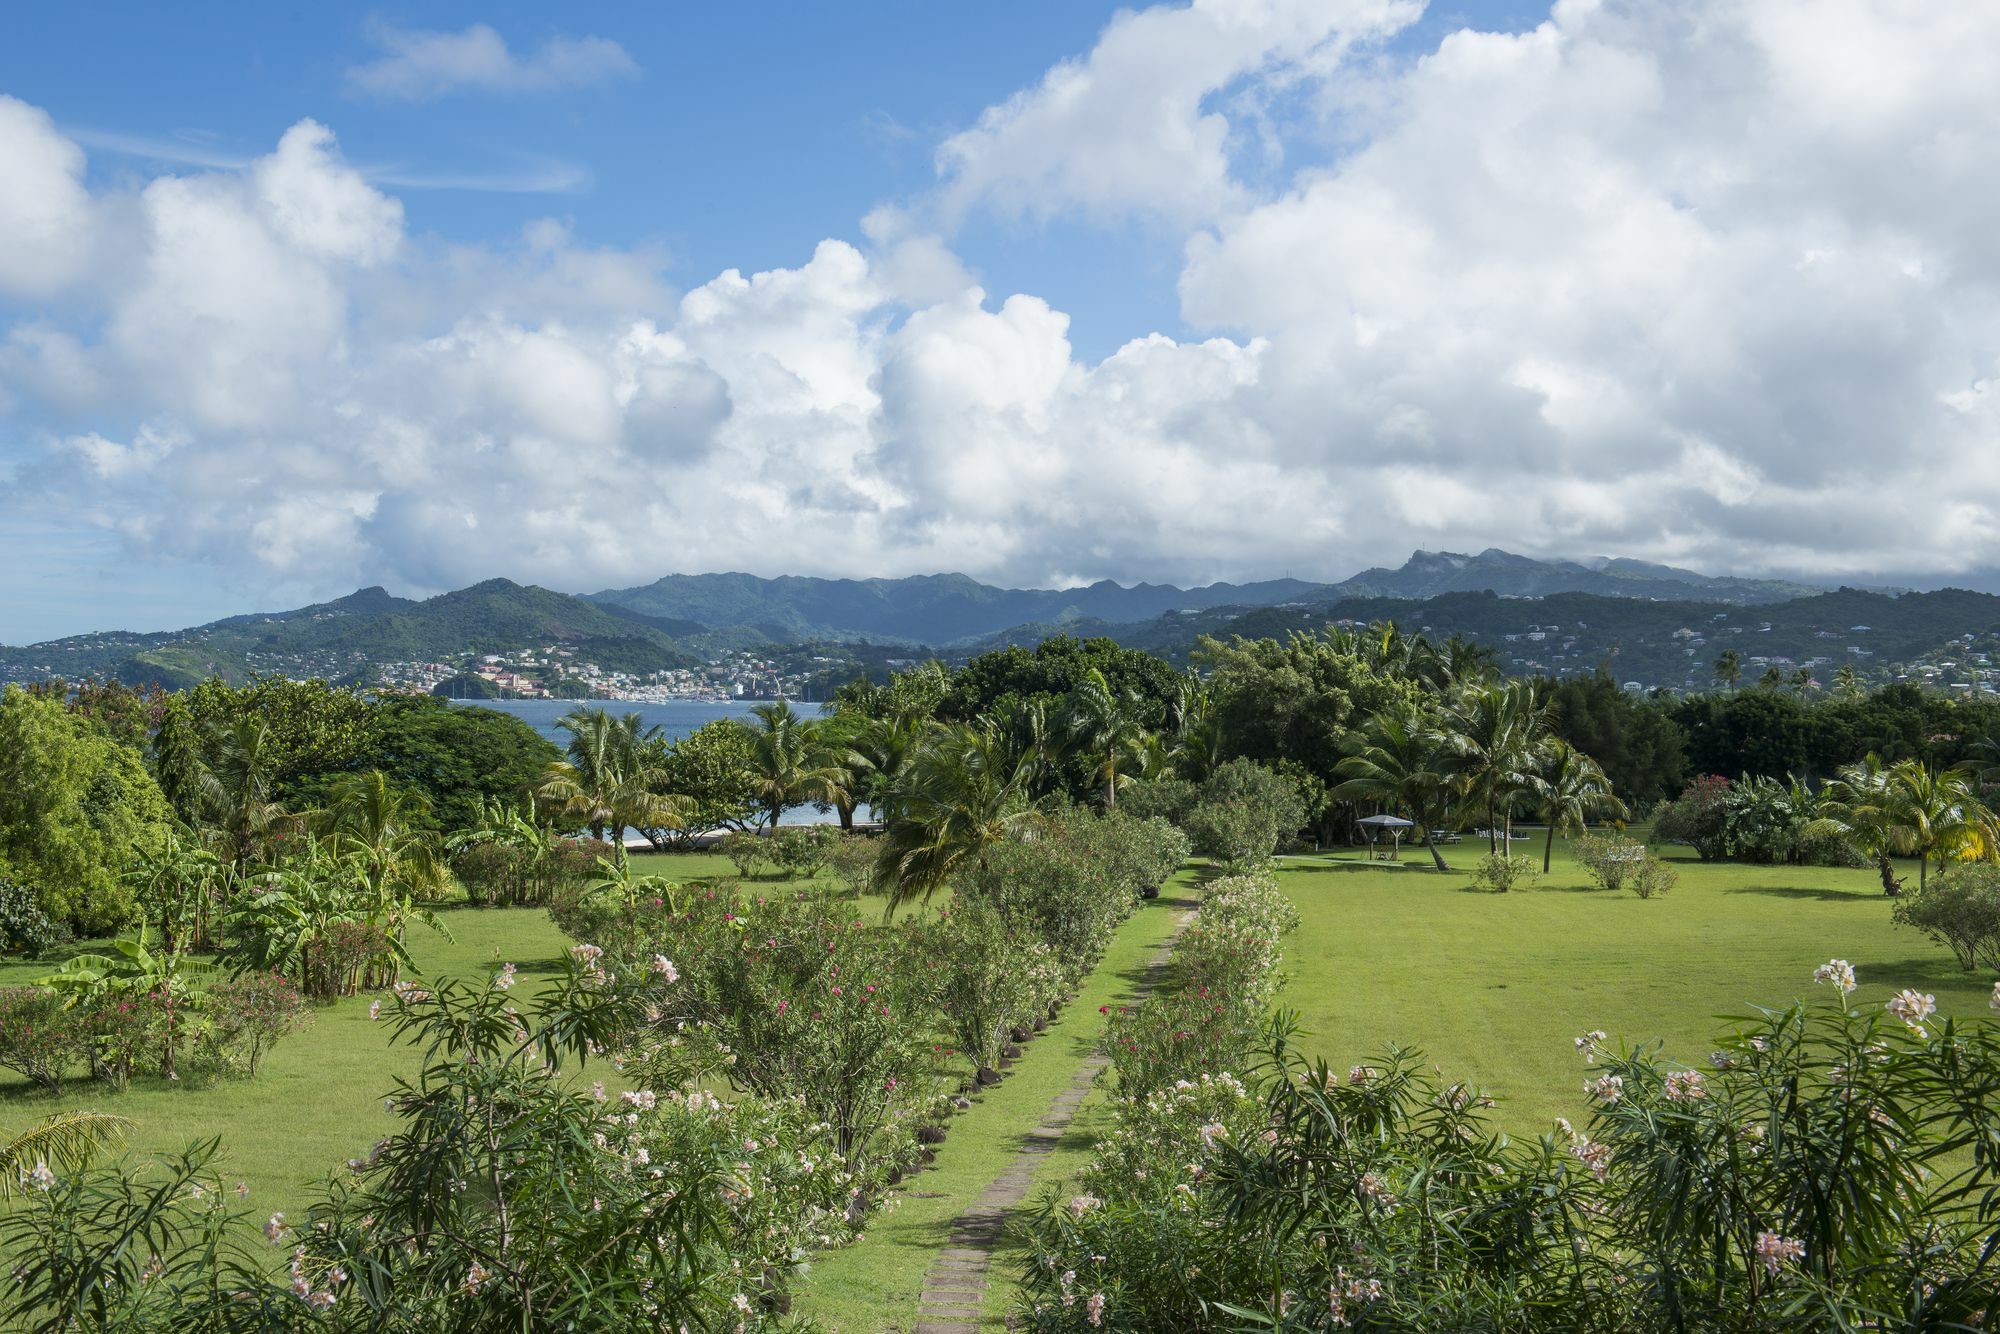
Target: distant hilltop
(685, 620)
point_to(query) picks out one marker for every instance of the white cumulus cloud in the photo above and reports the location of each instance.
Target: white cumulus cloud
(1707, 282)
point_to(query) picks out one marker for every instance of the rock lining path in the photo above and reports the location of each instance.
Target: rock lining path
(954, 1290)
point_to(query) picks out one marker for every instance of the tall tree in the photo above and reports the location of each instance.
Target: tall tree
(790, 764)
(1495, 735)
(962, 790)
(1104, 728)
(1728, 668)
(606, 782)
(1569, 791)
(1400, 763)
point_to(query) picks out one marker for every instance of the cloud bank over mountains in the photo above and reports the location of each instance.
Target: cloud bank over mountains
(1703, 283)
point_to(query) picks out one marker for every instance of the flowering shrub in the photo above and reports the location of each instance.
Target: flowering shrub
(791, 994)
(39, 1038)
(509, 1197)
(1058, 887)
(120, 1029)
(244, 1018)
(1824, 1169)
(1960, 909)
(1608, 858)
(803, 851)
(1225, 970)
(988, 979)
(1501, 872)
(1698, 817)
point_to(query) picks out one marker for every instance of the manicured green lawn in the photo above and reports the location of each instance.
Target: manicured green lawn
(317, 1099)
(1494, 987)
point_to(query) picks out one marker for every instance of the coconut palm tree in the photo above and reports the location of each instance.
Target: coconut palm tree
(606, 782)
(1399, 762)
(64, 1142)
(791, 764)
(1728, 668)
(1862, 806)
(1570, 790)
(1943, 813)
(1495, 735)
(963, 790)
(238, 787)
(1104, 729)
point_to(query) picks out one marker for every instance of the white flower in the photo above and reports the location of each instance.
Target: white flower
(1912, 1007)
(664, 967)
(39, 1176)
(1837, 972)
(1774, 1250)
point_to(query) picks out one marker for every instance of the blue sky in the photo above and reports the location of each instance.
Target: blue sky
(746, 134)
(304, 297)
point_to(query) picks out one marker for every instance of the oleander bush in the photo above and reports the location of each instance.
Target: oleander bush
(1828, 1167)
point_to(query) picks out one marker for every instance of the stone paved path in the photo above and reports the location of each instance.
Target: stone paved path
(955, 1287)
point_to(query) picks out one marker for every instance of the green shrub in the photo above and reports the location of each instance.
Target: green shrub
(1608, 858)
(1500, 872)
(803, 850)
(1960, 909)
(1169, 799)
(243, 1018)
(853, 859)
(1245, 814)
(1653, 877)
(24, 928)
(744, 849)
(40, 1038)
(990, 979)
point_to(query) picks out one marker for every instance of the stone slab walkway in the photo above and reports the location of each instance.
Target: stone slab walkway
(955, 1288)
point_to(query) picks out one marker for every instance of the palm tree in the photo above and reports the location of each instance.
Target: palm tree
(1399, 762)
(791, 765)
(67, 1141)
(1847, 682)
(1105, 730)
(1908, 809)
(1197, 730)
(962, 791)
(1943, 813)
(1495, 735)
(239, 788)
(401, 862)
(1728, 668)
(1571, 789)
(1036, 744)
(606, 783)
(1861, 806)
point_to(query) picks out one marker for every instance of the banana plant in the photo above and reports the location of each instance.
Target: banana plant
(173, 978)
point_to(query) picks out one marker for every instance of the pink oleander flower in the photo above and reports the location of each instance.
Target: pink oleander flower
(505, 977)
(664, 967)
(1607, 1088)
(1595, 1156)
(1773, 1250)
(375, 1009)
(39, 1176)
(1912, 1007)
(1685, 1086)
(475, 1277)
(274, 1227)
(1836, 972)
(1095, 1308)
(1079, 1205)
(1588, 1044)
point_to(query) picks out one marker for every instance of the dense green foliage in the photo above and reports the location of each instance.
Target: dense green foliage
(75, 808)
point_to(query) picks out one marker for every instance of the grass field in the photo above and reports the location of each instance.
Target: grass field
(1491, 987)
(317, 1099)
(1494, 987)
